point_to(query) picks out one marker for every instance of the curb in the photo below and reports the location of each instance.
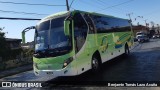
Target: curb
(16, 70)
(135, 45)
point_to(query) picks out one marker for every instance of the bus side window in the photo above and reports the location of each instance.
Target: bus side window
(90, 23)
(80, 31)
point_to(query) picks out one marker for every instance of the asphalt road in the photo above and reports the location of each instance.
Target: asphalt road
(143, 64)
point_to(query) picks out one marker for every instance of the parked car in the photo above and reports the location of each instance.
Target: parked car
(142, 38)
(156, 36)
(141, 33)
(135, 39)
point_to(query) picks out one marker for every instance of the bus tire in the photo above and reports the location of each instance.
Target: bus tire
(95, 64)
(126, 51)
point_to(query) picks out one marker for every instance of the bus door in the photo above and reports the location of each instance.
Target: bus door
(80, 35)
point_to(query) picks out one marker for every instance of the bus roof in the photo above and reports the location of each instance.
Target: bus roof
(59, 14)
(108, 16)
(98, 14)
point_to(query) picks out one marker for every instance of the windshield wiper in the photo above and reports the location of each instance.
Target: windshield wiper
(55, 50)
(51, 52)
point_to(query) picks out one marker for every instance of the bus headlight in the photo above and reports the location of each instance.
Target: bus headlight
(66, 62)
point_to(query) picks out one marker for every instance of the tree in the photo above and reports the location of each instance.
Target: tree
(4, 49)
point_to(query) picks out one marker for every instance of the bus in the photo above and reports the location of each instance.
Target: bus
(72, 42)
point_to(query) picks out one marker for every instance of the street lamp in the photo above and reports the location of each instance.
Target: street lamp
(146, 22)
(138, 17)
(147, 25)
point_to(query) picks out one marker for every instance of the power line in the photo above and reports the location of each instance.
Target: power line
(91, 4)
(120, 10)
(21, 12)
(30, 4)
(115, 5)
(101, 1)
(153, 12)
(71, 3)
(104, 4)
(97, 4)
(73, 8)
(18, 18)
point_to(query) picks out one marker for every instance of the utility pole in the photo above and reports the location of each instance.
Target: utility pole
(67, 5)
(145, 22)
(158, 29)
(147, 27)
(129, 14)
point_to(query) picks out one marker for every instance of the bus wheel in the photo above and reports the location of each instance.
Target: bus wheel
(95, 64)
(127, 52)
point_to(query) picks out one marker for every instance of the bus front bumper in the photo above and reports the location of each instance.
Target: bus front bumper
(54, 73)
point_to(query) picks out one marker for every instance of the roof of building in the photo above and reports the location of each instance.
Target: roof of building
(139, 27)
(13, 39)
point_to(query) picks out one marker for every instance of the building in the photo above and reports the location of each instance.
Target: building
(140, 28)
(157, 30)
(28, 45)
(14, 43)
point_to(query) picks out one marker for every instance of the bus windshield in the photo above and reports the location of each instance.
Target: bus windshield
(50, 39)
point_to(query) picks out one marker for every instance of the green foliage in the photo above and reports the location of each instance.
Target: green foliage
(28, 52)
(4, 49)
(14, 53)
(7, 54)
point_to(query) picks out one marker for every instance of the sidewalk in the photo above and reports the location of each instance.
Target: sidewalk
(17, 70)
(135, 45)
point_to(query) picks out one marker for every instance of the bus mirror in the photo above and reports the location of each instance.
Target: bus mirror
(66, 27)
(23, 37)
(24, 31)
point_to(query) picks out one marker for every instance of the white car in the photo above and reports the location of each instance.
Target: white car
(142, 38)
(156, 36)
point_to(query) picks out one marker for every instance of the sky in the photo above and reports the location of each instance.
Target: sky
(149, 9)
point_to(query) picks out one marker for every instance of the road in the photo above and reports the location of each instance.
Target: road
(143, 64)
